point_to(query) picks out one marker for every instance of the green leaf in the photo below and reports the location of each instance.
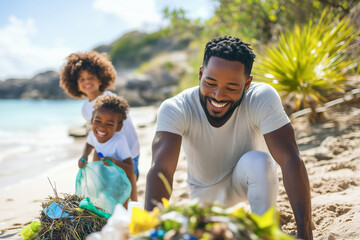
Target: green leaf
(309, 62)
(266, 220)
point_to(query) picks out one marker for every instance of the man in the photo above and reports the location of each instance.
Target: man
(228, 126)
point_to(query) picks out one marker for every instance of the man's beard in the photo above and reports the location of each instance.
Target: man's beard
(232, 108)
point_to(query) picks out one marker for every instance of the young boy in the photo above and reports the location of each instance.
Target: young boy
(108, 116)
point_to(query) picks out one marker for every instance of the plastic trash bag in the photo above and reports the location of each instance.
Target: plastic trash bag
(117, 227)
(86, 204)
(105, 185)
(55, 211)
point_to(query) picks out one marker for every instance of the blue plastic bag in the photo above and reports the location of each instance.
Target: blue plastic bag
(55, 211)
(105, 185)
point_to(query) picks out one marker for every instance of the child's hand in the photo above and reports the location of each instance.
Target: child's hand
(82, 162)
(105, 159)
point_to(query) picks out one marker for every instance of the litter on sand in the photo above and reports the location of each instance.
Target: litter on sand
(64, 218)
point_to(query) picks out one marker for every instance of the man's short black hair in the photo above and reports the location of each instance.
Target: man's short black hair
(232, 49)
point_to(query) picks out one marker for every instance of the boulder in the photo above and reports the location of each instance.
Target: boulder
(42, 86)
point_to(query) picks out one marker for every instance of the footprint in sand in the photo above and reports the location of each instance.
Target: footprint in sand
(339, 209)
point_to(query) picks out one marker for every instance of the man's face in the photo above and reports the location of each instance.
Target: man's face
(105, 123)
(222, 84)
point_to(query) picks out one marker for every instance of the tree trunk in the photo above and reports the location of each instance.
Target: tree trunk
(315, 116)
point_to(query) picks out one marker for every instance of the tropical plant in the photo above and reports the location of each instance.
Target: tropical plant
(259, 20)
(309, 63)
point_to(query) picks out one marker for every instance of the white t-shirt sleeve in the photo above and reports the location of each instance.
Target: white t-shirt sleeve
(171, 117)
(268, 111)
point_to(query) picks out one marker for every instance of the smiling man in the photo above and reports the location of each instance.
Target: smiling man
(234, 133)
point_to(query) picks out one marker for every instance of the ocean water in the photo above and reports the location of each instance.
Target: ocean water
(34, 137)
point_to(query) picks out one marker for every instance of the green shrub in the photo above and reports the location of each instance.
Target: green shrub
(309, 63)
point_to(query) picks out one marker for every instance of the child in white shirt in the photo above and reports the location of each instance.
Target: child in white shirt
(108, 117)
(89, 75)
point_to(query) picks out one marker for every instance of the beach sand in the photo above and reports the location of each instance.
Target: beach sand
(330, 150)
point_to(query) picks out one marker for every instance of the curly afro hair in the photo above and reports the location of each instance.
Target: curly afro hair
(232, 49)
(93, 62)
(112, 102)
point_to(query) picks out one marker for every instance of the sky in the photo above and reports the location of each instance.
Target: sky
(38, 35)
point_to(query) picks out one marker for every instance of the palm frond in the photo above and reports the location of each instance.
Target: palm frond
(309, 61)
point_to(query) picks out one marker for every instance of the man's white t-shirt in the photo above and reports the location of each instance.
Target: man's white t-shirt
(116, 147)
(128, 129)
(211, 152)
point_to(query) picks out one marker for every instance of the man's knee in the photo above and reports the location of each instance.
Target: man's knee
(256, 164)
(255, 174)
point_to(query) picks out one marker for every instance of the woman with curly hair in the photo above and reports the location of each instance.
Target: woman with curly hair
(91, 75)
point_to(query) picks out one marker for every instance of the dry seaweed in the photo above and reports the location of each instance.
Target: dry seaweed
(81, 223)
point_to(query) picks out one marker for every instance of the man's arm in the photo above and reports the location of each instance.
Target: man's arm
(282, 146)
(165, 155)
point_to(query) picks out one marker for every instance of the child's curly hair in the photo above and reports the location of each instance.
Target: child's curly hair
(93, 62)
(114, 103)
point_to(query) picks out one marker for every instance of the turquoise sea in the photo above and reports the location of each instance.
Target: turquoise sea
(34, 137)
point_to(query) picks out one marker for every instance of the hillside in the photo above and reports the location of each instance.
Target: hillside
(162, 57)
(135, 48)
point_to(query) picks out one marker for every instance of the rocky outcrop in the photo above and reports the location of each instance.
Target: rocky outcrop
(155, 84)
(42, 86)
(138, 89)
(147, 89)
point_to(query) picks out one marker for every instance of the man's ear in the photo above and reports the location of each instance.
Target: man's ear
(200, 72)
(248, 82)
(119, 126)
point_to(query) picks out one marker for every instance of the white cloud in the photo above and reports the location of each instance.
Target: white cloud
(20, 56)
(135, 14)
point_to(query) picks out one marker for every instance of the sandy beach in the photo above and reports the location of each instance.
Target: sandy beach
(330, 150)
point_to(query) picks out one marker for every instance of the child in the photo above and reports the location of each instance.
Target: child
(108, 116)
(90, 75)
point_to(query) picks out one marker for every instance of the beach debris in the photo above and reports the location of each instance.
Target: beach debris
(55, 211)
(30, 231)
(69, 221)
(205, 221)
(117, 227)
(85, 203)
